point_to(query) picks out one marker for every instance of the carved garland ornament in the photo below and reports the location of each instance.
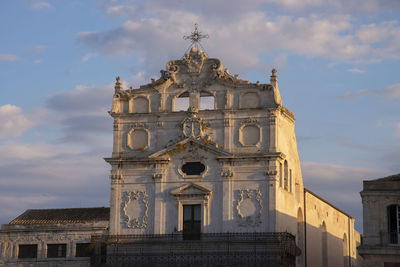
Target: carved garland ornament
(254, 197)
(139, 199)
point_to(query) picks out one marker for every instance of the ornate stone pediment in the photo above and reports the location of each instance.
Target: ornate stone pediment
(180, 146)
(191, 190)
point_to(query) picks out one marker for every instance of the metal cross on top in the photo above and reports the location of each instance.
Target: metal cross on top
(195, 37)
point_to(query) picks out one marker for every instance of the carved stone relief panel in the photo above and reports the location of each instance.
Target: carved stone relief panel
(194, 60)
(248, 207)
(193, 126)
(250, 133)
(249, 100)
(138, 139)
(135, 208)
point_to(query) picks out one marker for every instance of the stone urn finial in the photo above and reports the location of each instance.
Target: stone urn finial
(274, 78)
(118, 86)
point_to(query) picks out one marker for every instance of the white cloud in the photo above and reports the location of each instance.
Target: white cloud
(37, 61)
(88, 56)
(87, 100)
(327, 173)
(81, 114)
(8, 57)
(138, 79)
(44, 175)
(13, 122)
(30, 151)
(340, 184)
(253, 33)
(350, 6)
(355, 70)
(36, 48)
(389, 92)
(40, 5)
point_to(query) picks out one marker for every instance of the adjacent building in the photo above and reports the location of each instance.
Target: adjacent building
(52, 237)
(381, 219)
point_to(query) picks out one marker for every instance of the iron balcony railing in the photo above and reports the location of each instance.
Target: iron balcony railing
(209, 249)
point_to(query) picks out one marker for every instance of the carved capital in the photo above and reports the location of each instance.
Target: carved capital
(271, 173)
(227, 173)
(272, 120)
(157, 176)
(227, 122)
(116, 177)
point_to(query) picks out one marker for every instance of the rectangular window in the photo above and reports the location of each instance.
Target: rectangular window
(27, 251)
(56, 250)
(393, 212)
(83, 250)
(191, 222)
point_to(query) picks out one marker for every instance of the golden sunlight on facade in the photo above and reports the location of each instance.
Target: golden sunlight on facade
(215, 184)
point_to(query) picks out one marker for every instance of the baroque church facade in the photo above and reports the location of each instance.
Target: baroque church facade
(204, 172)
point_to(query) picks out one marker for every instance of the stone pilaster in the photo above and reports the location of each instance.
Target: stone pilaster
(159, 198)
(273, 136)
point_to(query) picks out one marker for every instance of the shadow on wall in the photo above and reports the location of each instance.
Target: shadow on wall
(323, 248)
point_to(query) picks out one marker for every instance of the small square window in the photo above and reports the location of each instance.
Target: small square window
(83, 250)
(27, 251)
(56, 250)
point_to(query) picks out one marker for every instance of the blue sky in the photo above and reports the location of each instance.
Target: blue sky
(338, 70)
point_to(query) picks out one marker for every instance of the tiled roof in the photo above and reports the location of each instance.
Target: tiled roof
(74, 215)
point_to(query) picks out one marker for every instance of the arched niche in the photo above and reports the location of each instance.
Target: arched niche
(286, 175)
(139, 104)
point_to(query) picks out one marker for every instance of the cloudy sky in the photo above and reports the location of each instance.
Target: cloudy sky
(338, 67)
